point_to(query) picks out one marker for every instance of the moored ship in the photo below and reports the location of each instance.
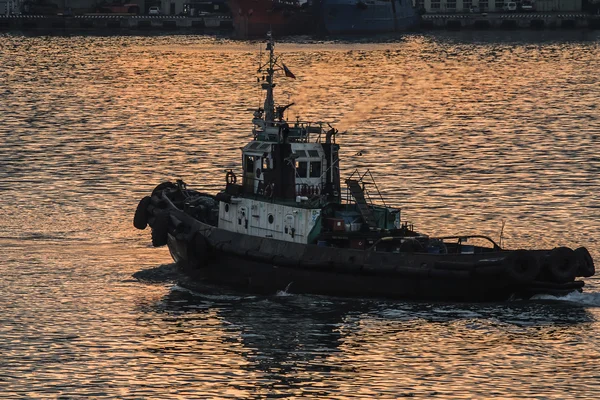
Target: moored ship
(288, 223)
(366, 16)
(254, 18)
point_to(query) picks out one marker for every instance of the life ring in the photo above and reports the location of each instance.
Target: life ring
(269, 191)
(230, 178)
(586, 263)
(521, 267)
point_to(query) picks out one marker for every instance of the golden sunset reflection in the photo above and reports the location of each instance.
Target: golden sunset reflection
(462, 132)
(472, 134)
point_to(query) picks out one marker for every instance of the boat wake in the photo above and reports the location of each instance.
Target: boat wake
(202, 292)
(583, 299)
(285, 292)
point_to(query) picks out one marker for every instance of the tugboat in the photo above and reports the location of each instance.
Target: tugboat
(286, 222)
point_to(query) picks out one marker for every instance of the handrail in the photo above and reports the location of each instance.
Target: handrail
(390, 238)
(461, 237)
(442, 238)
(312, 190)
(376, 188)
(366, 192)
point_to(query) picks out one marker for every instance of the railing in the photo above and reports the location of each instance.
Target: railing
(258, 187)
(306, 190)
(361, 179)
(298, 132)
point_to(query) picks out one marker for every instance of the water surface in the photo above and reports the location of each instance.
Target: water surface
(463, 131)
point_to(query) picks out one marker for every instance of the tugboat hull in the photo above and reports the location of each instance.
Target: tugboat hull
(266, 278)
(263, 265)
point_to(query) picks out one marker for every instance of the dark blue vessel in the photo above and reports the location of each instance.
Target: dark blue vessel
(367, 16)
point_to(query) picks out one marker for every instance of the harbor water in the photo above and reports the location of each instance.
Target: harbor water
(467, 132)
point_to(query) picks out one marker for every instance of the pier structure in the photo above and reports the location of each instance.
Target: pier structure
(115, 22)
(498, 6)
(549, 20)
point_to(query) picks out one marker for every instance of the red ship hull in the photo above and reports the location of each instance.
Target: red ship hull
(254, 18)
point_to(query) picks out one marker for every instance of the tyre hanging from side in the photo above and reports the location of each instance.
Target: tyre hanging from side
(140, 218)
(162, 186)
(586, 263)
(521, 267)
(561, 265)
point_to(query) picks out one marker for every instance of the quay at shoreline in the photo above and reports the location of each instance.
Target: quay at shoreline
(57, 23)
(499, 21)
(222, 23)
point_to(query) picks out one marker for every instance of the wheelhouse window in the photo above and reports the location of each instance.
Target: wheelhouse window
(300, 153)
(315, 169)
(301, 169)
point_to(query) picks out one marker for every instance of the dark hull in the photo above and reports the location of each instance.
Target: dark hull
(254, 18)
(265, 278)
(261, 265)
(346, 17)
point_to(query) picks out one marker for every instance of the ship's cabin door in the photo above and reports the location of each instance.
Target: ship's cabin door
(249, 173)
(257, 169)
(262, 174)
(259, 175)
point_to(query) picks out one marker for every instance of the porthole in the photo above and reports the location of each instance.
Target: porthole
(226, 207)
(271, 218)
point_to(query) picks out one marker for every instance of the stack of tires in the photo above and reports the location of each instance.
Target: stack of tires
(561, 265)
(150, 211)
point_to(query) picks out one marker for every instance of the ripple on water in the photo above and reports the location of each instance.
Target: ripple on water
(474, 130)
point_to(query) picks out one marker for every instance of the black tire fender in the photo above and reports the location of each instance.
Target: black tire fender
(160, 230)
(562, 265)
(140, 218)
(521, 267)
(162, 186)
(586, 263)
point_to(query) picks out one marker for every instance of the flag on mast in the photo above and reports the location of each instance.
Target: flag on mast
(287, 72)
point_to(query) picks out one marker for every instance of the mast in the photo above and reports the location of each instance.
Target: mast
(269, 105)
